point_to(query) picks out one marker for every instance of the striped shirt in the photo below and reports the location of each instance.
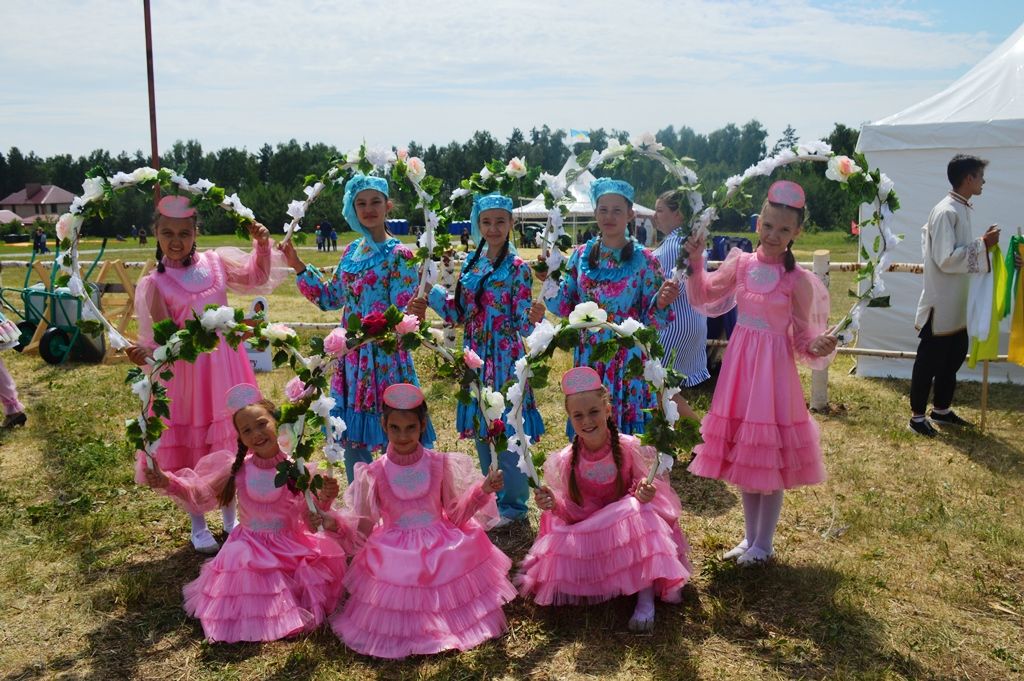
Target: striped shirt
(687, 335)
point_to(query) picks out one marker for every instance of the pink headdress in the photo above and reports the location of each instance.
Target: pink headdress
(241, 396)
(403, 396)
(787, 193)
(175, 207)
(580, 380)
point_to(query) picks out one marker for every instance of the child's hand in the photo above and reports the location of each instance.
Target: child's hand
(258, 232)
(991, 236)
(294, 261)
(418, 307)
(694, 248)
(823, 345)
(644, 492)
(155, 478)
(494, 481)
(544, 499)
(536, 312)
(137, 354)
(317, 519)
(667, 294)
(330, 489)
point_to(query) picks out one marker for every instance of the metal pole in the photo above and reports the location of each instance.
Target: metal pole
(154, 150)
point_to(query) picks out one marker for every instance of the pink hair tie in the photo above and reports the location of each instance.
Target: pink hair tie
(787, 193)
(403, 396)
(175, 207)
(241, 396)
(580, 380)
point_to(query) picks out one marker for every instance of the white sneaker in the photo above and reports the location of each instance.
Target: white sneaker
(754, 556)
(736, 551)
(204, 543)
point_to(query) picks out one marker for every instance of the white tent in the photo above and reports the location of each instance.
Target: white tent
(982, 113)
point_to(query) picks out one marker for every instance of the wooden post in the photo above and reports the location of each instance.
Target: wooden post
(819, 377)
(984, 392)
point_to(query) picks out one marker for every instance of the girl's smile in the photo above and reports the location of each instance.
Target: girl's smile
(589, 412)
(257, 430)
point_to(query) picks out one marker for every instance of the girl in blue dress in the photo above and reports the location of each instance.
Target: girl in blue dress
(376, 271)
(492, 301)
(625, 280)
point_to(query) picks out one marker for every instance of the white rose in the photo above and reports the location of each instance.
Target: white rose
(334, 453)
(381, 157)
(459, 193)
(337, 426)
(415, 169)
(654, 373)
(287, 438)
(144, 174)
(665, 463)
(515, 394)
(885, 186)
(587, 314)
(554, 183)
(278, 332)
(68, 226)
(160, 354)
(493, 404)
(297, 209)
(647, 141)
(92, 189)
(516, 167)
(121, 179)
(218, 318)
(322, 406)
(485, 173)
(815, 148)
(179, 180)
(549, 289)
(203, 185)
(628, 327)
(539, 339)
(77, 204)
(669, 406)
(554, 260)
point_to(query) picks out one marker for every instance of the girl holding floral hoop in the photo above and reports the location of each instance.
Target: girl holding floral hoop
(492, 300)
(614, 271)
(375, 272)
(14, 410)
(184, 283)
(604, 531)
(428, 578)
(758, 433)
(275, 577)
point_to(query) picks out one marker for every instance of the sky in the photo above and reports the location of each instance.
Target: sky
(245, 73)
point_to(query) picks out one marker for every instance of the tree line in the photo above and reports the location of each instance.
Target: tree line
(266, 180)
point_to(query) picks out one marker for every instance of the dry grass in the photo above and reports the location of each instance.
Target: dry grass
(906, 564)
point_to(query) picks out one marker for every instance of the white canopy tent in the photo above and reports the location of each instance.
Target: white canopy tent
(982, 113)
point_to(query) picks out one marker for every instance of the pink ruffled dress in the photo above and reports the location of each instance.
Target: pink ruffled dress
(428, 579)
(273, 577)
(199, 422)
(611, 545)
(758, 433)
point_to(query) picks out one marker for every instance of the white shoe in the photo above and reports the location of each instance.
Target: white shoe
(204, 543)
(754, 556)
(736, 551)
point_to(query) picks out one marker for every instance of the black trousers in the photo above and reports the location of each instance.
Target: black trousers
(938, 360)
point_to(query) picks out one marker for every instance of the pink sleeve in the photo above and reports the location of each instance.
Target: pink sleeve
(258, 272)
(347, 535)
(360, 499)
(665, 501)
(713, 293)
(556, 478)
(810, 318)
(462, 492)
(149, 309)
(194, 489)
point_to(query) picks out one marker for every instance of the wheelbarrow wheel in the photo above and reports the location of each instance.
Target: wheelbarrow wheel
(54, 345)
(28, 329)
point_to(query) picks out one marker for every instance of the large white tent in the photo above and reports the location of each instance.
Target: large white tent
(982, 113)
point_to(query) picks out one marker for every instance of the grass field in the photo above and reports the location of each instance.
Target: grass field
(908, 563)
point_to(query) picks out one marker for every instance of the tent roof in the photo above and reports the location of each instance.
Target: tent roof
(581, 204)
(983, 108)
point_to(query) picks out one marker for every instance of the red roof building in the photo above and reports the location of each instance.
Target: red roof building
(38, 200)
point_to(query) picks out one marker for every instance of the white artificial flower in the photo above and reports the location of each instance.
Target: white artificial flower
(665, 463)
(669, 406)
(352, 156)
(381, 157)
(77, 204)
(493, 404)
(218, 319)
(430, 272)
(179, 180)
(313, 190)
(556, 220)
(815, 148)
(485, 173)
(202, 185)
(278, 332)
(515, 394)
(785, 157)
(121, 179)
(436, 334)
(841, 168)
(174, 343)
(297, 209)
(555, 184)
(733, 183)
(885, 187)
(549, 289)
(628, 327)
(236, 205)
(427, 240)
(144, 174)
(415, 169)
(647, 142)
(459, 193)
(160, 354)
(522, 370)
(539, 339)
(554, 260)
(75, 286)
(68, 226)
(92, 189)
(614, 148)
(287, 437)
(337, 426)
(516, 167)
(143, 388)
(587, 314)
(322, 406)
(334, 453)
(654, 373)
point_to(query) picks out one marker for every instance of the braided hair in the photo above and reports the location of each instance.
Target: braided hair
(593, 257)
(227, 494)
(502, 254)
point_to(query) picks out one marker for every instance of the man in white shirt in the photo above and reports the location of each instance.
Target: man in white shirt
(951, 253)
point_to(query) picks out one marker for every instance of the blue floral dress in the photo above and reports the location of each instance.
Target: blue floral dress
(368, 279)
(493, 330)
(623, 289)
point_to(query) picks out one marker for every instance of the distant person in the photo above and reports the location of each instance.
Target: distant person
(950, 253)
(334, 239)
(464, 240)
(319, 233)
(39, 241)
(641, 233)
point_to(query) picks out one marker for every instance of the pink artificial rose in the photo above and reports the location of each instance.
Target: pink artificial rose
(472, 359)
(335, 343)
(408, 324)
(295, 389)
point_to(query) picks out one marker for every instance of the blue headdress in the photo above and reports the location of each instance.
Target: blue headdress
(606, 185)
(482, 202)
(355, 185)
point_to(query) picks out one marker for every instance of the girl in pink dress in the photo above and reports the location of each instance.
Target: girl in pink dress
(758, 434)
(604, 531)
(185, 282)
(428, 578)
(274, 577)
